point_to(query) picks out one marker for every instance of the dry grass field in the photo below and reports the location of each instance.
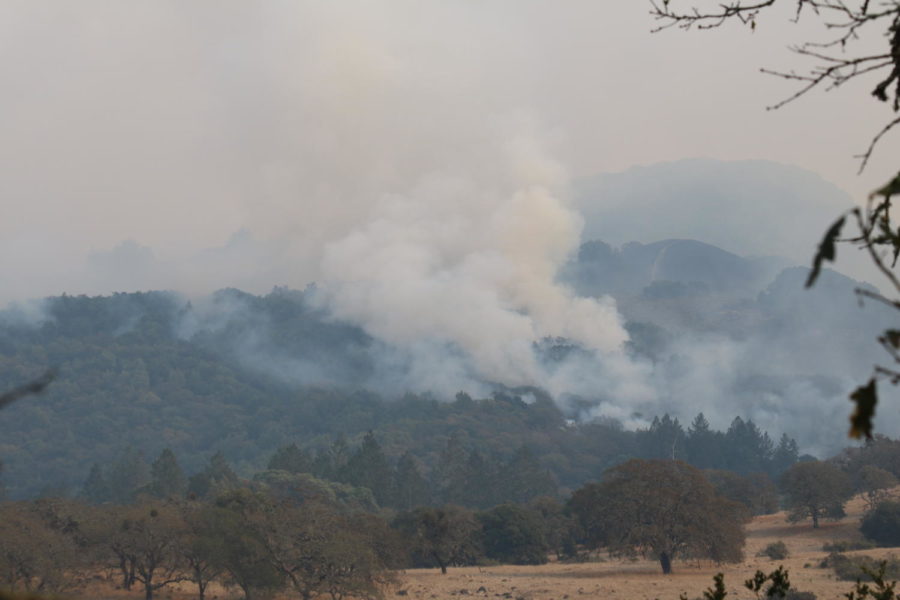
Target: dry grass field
(615, 579)
(642, 580)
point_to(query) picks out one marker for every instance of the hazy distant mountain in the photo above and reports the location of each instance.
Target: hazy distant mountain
(686, 286)
(601, 269)
(751, 207)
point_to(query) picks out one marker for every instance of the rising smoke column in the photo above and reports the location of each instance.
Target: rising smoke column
(463, 266)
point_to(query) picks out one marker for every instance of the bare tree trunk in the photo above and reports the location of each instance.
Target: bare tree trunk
(665, 562)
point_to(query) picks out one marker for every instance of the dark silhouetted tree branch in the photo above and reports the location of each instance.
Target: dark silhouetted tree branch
(836, 61)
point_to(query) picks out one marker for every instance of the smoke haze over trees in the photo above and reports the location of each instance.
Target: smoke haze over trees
(708, 331)
(361, 261)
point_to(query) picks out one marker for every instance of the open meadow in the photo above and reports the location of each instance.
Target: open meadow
(612, 578)
(642, 580)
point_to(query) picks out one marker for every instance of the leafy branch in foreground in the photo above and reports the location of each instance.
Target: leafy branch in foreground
(717, 592)
(836, 61)
(879, 590)
(878, 235)
(779, 586)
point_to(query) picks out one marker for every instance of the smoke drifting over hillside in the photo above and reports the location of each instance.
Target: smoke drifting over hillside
(409, 159)
(471, 265)
(370, 151)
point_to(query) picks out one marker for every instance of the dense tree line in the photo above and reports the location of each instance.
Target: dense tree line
(243, 538)
(817, 490)
(664, 509)
(365, 476)
(146, 370)
(254, 537)
(260, 537)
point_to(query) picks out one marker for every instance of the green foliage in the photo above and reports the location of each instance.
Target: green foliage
(243, 555)
(139, 373)
(776, 551)
(409, 488)
(560, 529)
(215, 479)
(368, 467)
(290, 458)
(127, 476)
(882, 589)
(514, 534)
(774, 585)
(441, 537)
(37, 554)
(837, 546)
(167, 480)
(303, 487)
(202, 548)
(664, 509)
(876, 484)
(851, 568)
(246, 539)
(96, 489)
(716, 592)
(881, 452)
(755, 491)
(815, 490)
(882, 524)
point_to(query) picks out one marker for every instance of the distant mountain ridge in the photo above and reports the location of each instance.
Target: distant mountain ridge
(601, 269)
(752, 207)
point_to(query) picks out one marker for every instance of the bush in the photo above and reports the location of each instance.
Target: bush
(837, 546)
(882, 525)
(514, 534)
(851, 568)
(776, 551)
(797, 595)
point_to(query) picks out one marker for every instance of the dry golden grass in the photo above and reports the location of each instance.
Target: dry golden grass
(615, 579)
(642, 580)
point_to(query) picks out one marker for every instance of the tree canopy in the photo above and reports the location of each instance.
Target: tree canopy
(661, 508)
(815, 490)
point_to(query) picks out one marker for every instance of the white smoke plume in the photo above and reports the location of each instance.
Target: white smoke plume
(471, 264)
(406, 156)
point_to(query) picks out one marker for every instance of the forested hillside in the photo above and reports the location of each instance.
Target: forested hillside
(246, 375)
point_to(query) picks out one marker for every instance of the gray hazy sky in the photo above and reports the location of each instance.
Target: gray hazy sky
(177, 125)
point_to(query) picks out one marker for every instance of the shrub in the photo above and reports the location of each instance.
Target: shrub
(514, 534)
(882, 525)
(849, 568)
(776, 551)
(837, 546)
(797, 595)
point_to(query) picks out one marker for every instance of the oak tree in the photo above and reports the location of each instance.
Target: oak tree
(663, 509)
(815, 490)
(441, 536)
